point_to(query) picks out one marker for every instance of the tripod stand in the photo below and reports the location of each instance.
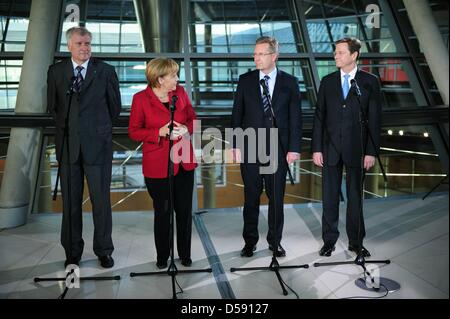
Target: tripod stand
(360, 259)
(274, 265)
(172, 270)
(71, 274)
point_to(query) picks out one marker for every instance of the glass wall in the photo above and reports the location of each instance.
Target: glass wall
(213, 42)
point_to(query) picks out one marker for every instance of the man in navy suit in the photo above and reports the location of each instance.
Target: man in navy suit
(339, 141)
(251, 111)
(95, 104)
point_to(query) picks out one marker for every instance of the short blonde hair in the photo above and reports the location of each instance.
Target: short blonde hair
(159, 67)
(274, 46)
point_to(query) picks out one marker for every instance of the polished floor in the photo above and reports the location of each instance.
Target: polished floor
(412, 233)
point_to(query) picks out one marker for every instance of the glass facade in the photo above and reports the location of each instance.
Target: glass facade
(213, 42)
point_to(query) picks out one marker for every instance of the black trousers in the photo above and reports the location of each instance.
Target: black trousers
(158, 188)
(99, 182)
(253, 187)
(331, 185)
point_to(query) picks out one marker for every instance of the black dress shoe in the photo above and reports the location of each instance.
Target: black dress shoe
(106, 261)
(280, 251)
(187, 262)
(326, 250)
(72, 261)
(161, 264)
(248, 250)
(364, 251)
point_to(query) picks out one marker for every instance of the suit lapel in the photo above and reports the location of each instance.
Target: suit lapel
(90, 74)
(68, 72)
(338, 86)
(257, 89)
(277, 88)
(155, 101)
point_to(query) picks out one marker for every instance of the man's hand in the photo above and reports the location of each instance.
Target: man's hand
(369, 162)
(291, 157)
(318, 158)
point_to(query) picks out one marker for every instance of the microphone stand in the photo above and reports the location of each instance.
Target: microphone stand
(72, 273)
(360, 259)
(172, 270)
(274, 265)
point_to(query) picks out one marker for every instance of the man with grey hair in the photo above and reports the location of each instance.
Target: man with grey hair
(251, 110)
(89, 88)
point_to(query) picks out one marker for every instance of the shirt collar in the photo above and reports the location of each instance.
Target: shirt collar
(352, 73)
(84, 65)
(272, 75)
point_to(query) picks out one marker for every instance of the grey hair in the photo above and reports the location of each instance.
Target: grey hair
(271, 41)
(78, 30)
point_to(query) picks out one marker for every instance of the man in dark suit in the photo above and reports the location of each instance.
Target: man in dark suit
(338, 141)
(95, 103)
(251, 111)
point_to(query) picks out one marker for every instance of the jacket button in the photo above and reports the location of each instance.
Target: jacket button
(344, 106)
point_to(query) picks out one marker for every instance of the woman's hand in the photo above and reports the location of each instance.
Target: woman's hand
(164, 130)
(178, 130)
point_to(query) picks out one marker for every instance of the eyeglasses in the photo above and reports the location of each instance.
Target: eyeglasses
(260, 55)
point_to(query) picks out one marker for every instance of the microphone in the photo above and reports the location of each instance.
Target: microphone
(264, 86)
(355, 85)
(73, 80)
(174, 101)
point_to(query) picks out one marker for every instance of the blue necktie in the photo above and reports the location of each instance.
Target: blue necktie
(345, 86)
(265, 99)
(79, 78)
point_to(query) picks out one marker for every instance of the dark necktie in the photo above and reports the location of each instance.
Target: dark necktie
(265, 98)
(79, 79)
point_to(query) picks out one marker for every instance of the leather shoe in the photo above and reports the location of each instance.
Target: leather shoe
(326, 250)
(72, 261)
(187, 262)
(161, 264)
(364, 251)
(280, 251)
(106, 261)
(248, 250)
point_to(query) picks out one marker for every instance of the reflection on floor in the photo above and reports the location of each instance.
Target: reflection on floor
(410, 232)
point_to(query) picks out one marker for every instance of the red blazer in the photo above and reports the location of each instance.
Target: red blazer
(147, 116)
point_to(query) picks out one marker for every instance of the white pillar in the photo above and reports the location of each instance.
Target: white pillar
(430, 39)
(21, 167)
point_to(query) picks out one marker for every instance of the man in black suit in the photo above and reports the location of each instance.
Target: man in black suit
(251, 111)
(95, 103)
(338, 141)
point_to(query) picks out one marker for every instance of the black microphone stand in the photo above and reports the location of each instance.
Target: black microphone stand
(172, 270)
(360, 259)
(274, 265)
(69, 93)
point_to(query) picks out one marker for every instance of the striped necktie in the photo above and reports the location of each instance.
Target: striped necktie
(265, 98)
(79, 79)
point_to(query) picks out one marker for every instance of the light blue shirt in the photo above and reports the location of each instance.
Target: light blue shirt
(83, 72)
(272, 80)
(350, 78)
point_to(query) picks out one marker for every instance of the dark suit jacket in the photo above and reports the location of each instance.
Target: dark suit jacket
(147, 116)
(337, 128)
(92, 110)
(248, 111)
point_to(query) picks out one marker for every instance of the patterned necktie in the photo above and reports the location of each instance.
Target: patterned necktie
(79, 78)
(265, 98)
(345, 86)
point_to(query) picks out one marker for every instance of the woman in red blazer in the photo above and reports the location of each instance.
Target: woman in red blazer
(149, 123)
